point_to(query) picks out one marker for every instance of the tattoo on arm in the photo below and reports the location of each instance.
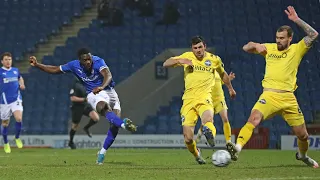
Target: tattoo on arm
(312, 34)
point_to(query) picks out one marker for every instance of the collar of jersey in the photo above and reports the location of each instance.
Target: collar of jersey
(6, 68)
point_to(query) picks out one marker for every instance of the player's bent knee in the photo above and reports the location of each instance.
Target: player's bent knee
(207, 116)
(74, 126)
(303, 137)
(301, 132)
(101, 108)
(187, 134)
(255, 118)
(188, 140)
(5, 123)
(94, 116)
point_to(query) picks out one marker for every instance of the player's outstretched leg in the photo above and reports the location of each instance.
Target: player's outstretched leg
(303, 146)
(18, 116)
(104, 109)
(244, 135)
(4, 132)
(208, 129)
(112, 134)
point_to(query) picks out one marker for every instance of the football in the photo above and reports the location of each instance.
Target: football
(221, 158)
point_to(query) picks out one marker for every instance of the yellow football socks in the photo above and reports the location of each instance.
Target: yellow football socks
(227, 131)
(245, 134)
(192, 147)
(212, 128)
(303, 147)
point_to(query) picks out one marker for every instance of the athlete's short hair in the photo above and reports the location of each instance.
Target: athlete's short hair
(83, 51)
(286, 28)
(6, 54)
(197, 39)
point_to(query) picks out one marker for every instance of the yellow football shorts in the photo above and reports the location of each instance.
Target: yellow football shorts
(285, 104)
(219, 104)
(192, 109)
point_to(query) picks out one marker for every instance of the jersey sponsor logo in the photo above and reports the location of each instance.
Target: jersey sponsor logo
(277, 56)
(11, 79)
(262, 101)
(207, 63)
(92, 78)
(202, 68)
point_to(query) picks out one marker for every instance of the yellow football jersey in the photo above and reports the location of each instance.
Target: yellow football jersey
(217, 91)
(200, 77)
(282, 66)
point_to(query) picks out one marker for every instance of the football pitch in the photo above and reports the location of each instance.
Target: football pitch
(154, 164)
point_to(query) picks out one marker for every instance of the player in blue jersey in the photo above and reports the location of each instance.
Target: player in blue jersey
(10, 100)
(96, 77)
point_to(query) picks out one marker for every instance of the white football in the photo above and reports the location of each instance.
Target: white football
(221, 158)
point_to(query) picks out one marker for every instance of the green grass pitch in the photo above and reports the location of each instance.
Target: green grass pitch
(151, 164)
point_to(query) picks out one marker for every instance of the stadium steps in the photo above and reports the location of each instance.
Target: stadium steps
(66, 31)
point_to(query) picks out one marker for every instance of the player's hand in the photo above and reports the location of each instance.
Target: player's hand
(232, 93)
(232, 76)
(261, 49)
(33, 61)
(292, 14)
(22, 87)
(185, 61)
(97, 90)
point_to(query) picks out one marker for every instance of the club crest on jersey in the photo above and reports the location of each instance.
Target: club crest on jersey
(15, 72)
(262, 101)
(207, 63)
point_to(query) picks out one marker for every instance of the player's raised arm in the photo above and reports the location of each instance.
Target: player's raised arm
(256, 48)
(172, 62)
(312, 34)
(46, 68)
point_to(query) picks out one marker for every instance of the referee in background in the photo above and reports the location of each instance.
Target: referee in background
(80, 107)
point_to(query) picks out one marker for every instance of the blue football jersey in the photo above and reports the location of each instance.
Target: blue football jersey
(9, 85)
(92, 79)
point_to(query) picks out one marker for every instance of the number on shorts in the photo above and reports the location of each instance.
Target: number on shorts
(18, 103)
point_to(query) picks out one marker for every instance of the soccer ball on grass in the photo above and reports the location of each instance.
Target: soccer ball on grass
(221, 158)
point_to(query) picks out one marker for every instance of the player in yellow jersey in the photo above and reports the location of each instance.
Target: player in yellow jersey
(279, 83)
(220, 107)
(199, 76)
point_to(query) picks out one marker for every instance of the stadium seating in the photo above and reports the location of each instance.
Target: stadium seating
(226, 25)
(23, 25)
